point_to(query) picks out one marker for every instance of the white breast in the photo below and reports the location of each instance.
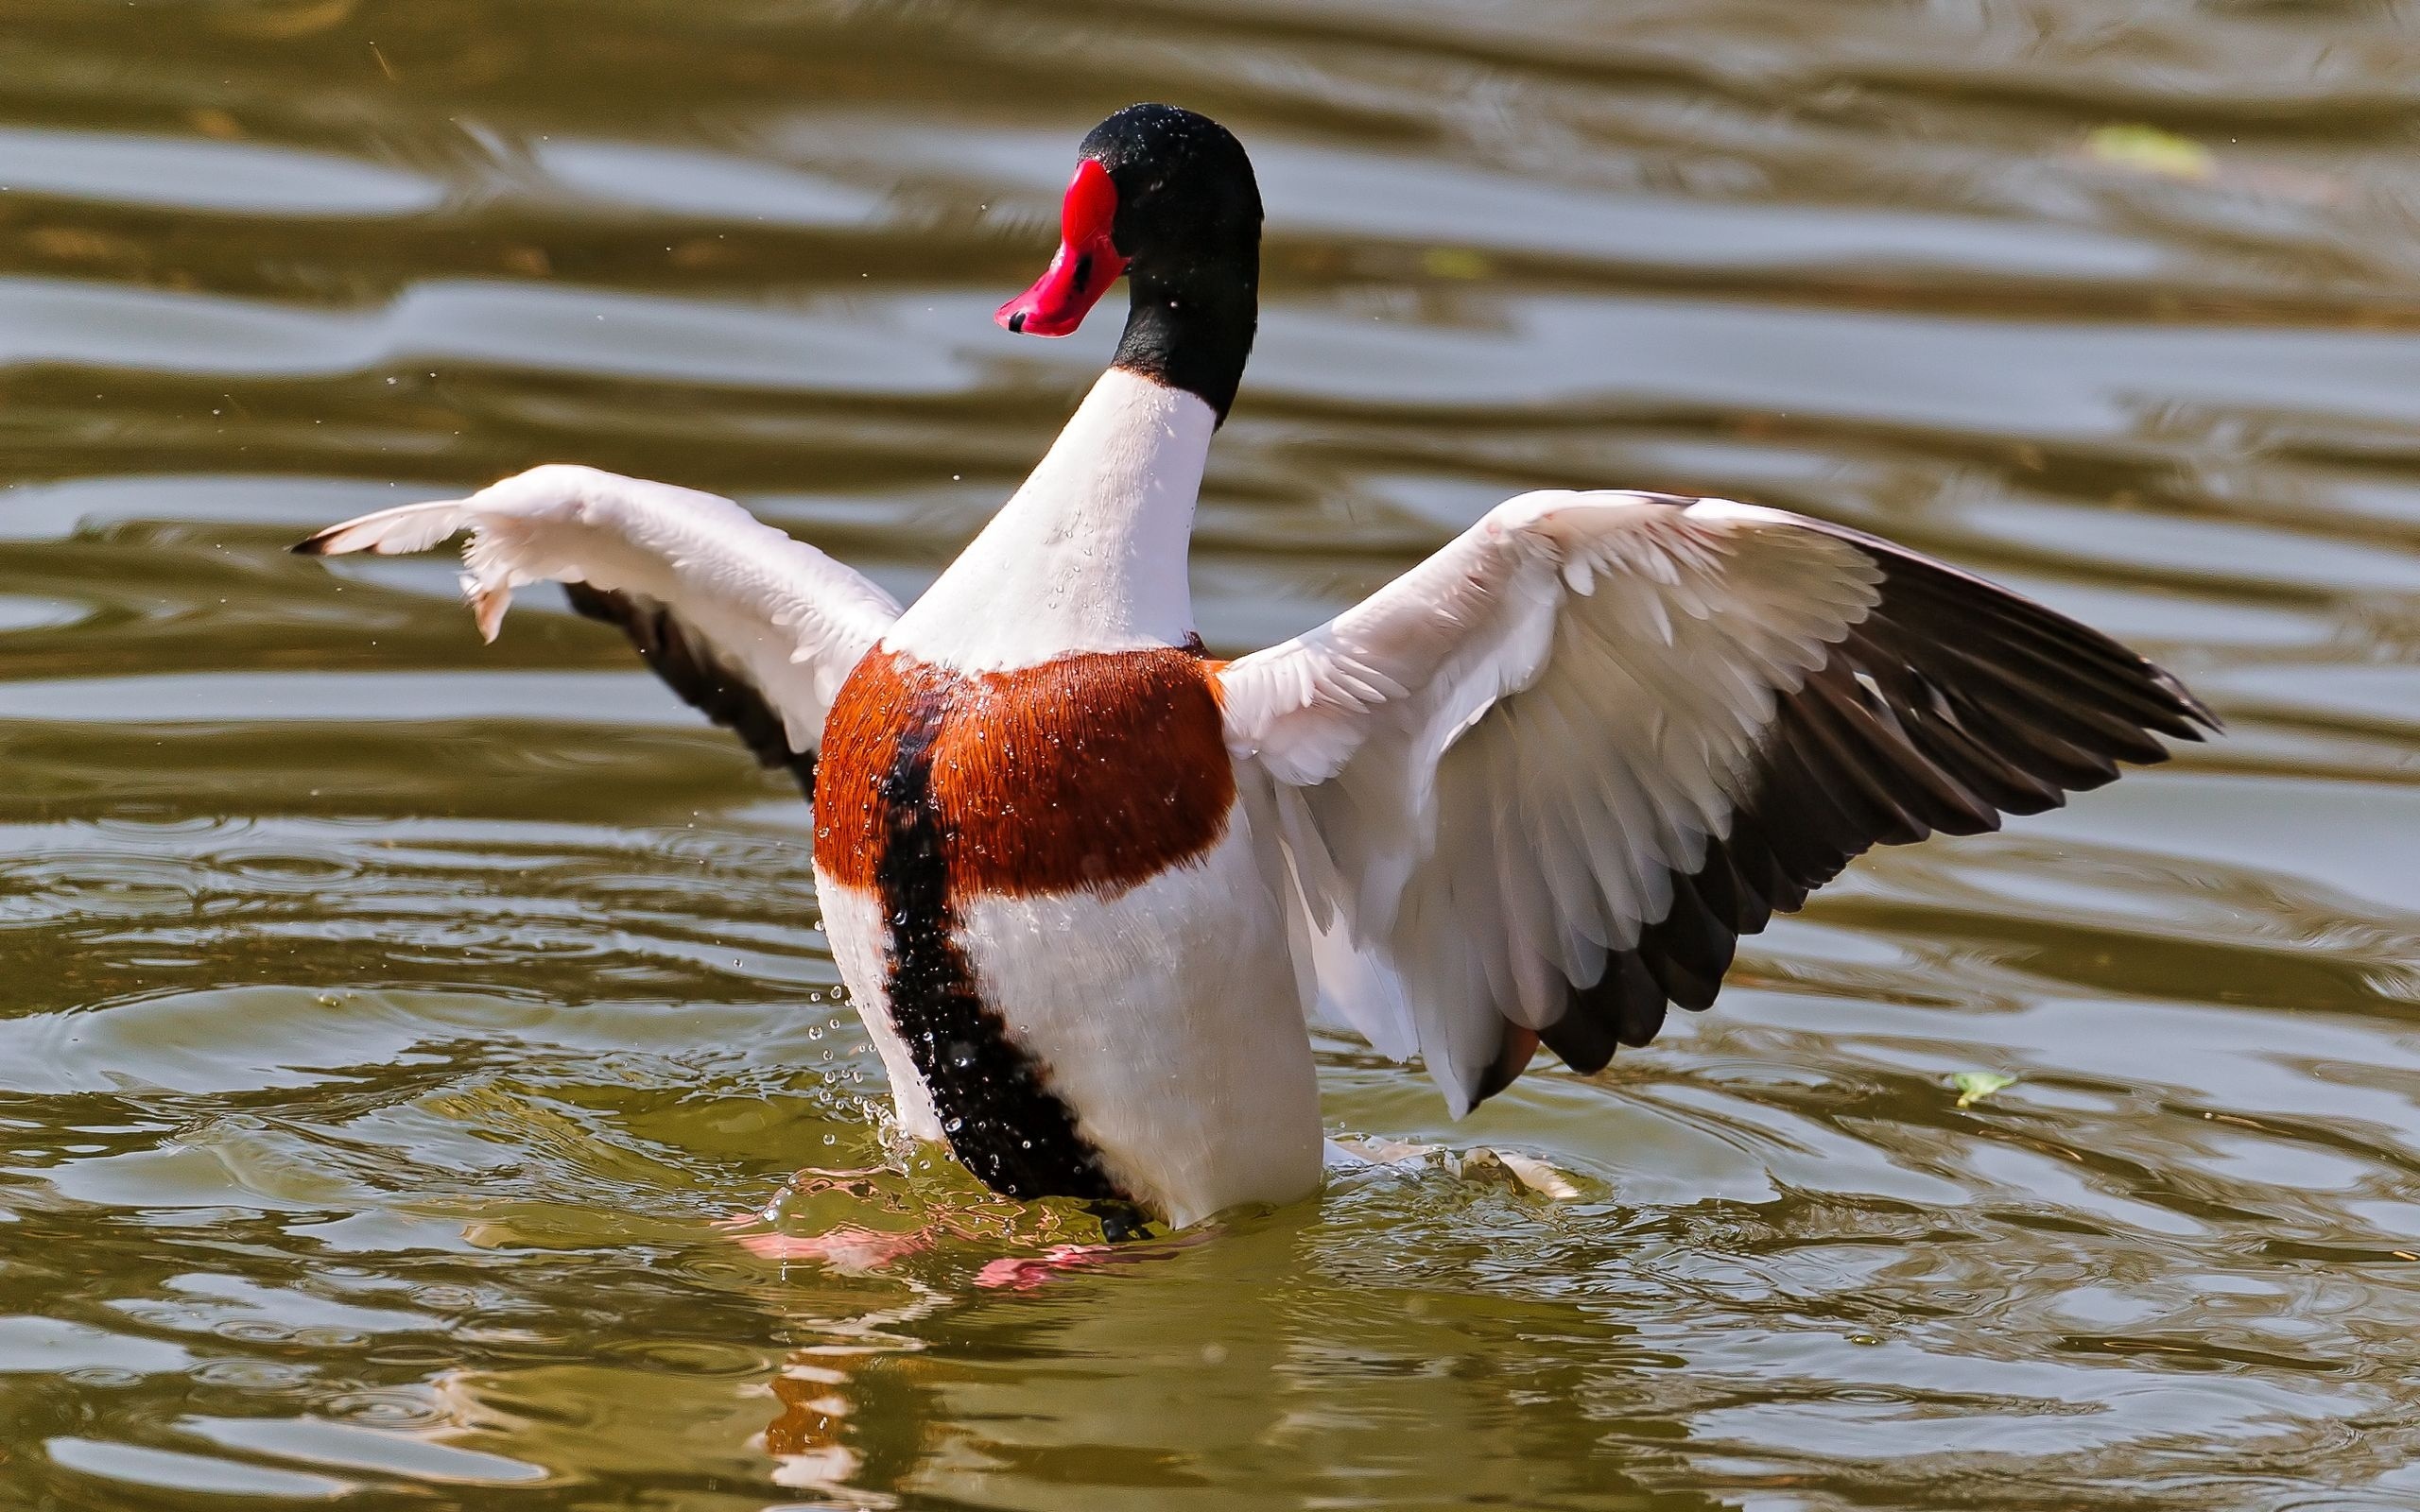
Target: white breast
(1166, 1019)
(1168, 1022)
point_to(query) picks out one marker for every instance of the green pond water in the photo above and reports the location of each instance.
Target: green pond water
(391, 1026)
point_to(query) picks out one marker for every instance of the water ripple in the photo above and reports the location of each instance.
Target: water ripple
(424, 1077)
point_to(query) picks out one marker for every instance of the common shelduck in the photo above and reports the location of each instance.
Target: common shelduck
(1085, 883)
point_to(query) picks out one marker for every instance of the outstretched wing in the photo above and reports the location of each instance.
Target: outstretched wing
(1536, 788)
(754, 628)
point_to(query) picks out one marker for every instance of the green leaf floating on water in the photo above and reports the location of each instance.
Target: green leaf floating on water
(2149, 149)
(1974, 1086)
(1456, 261)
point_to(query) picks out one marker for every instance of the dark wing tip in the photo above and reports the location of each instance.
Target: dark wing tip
(2202, 722)
(1512, 1058)
(1953, 702)
(314, 545)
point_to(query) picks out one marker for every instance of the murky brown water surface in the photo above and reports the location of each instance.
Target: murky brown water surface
(388, 1023)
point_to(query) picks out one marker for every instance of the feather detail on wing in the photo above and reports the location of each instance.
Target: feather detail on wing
(1535, 789)
(750, 626)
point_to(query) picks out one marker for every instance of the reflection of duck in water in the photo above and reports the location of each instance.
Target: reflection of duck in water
(1085, 883)
(1193, 1381)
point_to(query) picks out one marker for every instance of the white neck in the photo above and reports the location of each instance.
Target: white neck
(1090, 555)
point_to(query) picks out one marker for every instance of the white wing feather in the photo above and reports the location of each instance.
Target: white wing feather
(771, 610)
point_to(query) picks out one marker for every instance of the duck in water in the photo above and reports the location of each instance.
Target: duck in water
(1085, 883)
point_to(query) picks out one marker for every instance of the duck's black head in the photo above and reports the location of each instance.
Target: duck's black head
(1167, 198)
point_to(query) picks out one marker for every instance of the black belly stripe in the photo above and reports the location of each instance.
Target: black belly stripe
(1001, 1120)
